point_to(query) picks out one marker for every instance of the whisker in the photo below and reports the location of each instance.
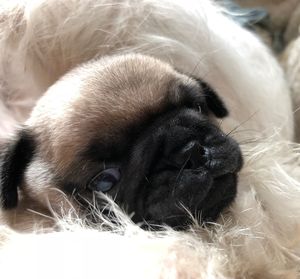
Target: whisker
(146, 178)
(245, 142)
(41, 214)
(197, 65)
(296, 110)
(220, 122)
(242, 123)
(182, 168)
(243, 131)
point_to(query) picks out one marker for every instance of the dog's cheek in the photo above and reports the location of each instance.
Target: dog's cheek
(173, 194)
(15, 158)
(220, 196)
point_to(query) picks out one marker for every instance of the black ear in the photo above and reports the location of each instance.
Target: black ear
(213, 101)
(14, 158)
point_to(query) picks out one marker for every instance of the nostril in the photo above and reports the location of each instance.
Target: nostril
(197, 149)
(198, 156)
(191, 156)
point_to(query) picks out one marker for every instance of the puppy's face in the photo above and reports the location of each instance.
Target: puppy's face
(131, 127)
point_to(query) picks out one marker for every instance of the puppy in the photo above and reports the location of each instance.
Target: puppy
(135, 128)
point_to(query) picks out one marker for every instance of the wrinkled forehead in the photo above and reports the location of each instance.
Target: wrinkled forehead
(102, 98)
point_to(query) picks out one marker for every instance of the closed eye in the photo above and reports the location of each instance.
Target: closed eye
(105, 180)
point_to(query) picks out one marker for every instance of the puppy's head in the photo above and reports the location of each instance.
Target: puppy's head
(131, 127)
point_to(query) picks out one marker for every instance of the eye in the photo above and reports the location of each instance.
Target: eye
(105, 180)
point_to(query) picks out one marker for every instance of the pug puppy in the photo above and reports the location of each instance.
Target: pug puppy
(134, 128)
(129, 108)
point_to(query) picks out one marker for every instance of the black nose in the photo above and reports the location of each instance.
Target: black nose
(191, 156)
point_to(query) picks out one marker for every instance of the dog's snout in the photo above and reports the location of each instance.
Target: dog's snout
(191, 156)
(224, 160)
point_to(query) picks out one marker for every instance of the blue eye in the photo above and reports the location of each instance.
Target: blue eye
(105, 180)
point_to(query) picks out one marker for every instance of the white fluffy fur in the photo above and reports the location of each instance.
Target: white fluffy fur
(258, 237)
